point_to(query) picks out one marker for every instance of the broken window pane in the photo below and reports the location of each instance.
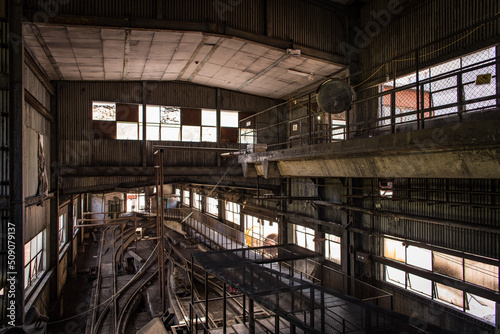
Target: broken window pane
(103, 111)
(190, 133)
(481, 307)
(419, 257)
(448, 265)
(481, 274)
(394, 249)
(170, 115)
(450, 295)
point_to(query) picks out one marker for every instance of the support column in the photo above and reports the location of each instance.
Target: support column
(15, 271)
(251, 318)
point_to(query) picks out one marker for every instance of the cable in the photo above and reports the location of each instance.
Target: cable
(427, 54)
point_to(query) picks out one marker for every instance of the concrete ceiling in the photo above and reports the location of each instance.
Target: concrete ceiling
(93, 53)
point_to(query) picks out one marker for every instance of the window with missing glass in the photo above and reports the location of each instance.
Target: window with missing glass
(121, 121)
(469, 271)
(34, 259)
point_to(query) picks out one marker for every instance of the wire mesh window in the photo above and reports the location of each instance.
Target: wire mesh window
(260, 232)
(469, 271)
(34, 259)
(461, 85)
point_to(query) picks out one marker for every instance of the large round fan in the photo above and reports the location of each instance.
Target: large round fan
(334, 96)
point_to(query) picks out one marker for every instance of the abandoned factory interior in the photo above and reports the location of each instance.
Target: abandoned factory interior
(249, 166)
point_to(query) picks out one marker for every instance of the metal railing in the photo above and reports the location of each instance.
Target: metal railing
(456, 91)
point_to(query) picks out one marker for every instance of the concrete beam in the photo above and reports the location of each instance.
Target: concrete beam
(271, 169)
(249, 170)
(468, 150)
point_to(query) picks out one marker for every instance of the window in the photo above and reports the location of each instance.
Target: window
(332, 248)
(185, 198)
(304, 237)
(440, 89)
(197, 201)
(247, 136)
(34, 259)
(75, 217)
(338, 129)
(233, 212)
(209, 125)
(229, 126)
(469, 271)
(212, 206)
(260, 232)
(117, 120)
(163, 123)
(63, 223)
(136, 202)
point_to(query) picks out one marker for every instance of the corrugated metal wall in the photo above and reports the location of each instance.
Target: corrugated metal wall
(434, 27)
(77, 146)
(307, 24)
(288, 20)
(461, 200)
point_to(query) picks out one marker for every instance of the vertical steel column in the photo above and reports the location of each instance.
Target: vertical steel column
(309, 112)
(251, 317)
(206, 298)
(460, 95)
(244, 308)
(276, 324)
(322, 312)
(311, 300)
(224, 305)
(420, 117)
(192, 296)
(15, 271)
(162, 235)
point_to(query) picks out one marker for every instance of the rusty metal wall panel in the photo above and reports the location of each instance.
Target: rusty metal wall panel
(35, 87)
(77, 146)
(244, 102)
(179, 94)
(433, 27)
(463, 200)
(119, 8)
(307, 24)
